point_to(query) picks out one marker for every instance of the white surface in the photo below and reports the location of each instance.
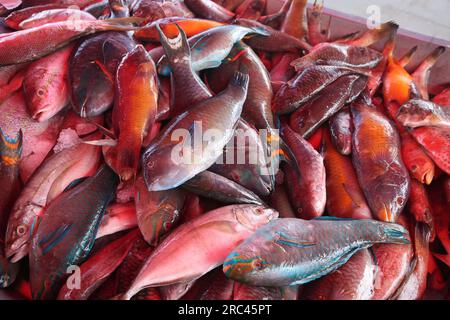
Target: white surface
(429, 17)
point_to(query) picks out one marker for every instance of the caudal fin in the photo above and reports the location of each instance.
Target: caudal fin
(177, 47)
(422, 73)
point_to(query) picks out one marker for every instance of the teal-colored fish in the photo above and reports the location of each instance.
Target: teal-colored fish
(292, 251)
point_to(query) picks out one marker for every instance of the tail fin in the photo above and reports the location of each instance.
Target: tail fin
(176, 47)
(374, 35)
(422, 73)
(406, 59)
(10, 149)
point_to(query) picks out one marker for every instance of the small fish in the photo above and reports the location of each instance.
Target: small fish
(222, 112)
(47, 38)
(67, 231)
(46, 86)
(288, 252)
(306, 190)
(355, 280)
(421, 113)
(93, 69)
(157, 211)
(227, 226)
(134, 112)
(378, 163)
(339, 55)
(208, 9)
(49, 181)
(190, 26)
(345, 199)
(214, 186)
(316, 33)
(98, 267)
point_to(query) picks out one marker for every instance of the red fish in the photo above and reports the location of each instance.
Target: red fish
(15, 18)
(118, 217)
(55, 15)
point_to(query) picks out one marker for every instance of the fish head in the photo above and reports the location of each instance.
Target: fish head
(415, 112)
(254, 216)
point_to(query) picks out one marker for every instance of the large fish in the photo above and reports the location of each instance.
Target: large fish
(38, 137)
(55, 15)
(168, 163)
(134, 112)
(421, 113)
(292, 251)
(57, 172)
(46, 86)
(378, 162)
(157, 211)
(93, 69)
(31, 44)
(66, 232)
(306, 188)
(173, 263)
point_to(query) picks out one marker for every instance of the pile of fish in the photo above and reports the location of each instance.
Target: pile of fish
(109, 192)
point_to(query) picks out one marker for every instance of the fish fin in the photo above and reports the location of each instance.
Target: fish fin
(372, 36)
(422, 73)
(10, 149)
(406, 59)
(240, 80)
(175, 47)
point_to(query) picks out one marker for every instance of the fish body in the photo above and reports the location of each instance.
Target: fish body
(118, 217)
(55, 15)
(157, 211)
(162, 170)
(379, 166)
(341, 130)
(46, 86)
(208, 9)
(134, 112)
(67, 231)
(288, 252)
(171, 263)
(49, 181)
(16, 17)
(307, 191)
(294, 23)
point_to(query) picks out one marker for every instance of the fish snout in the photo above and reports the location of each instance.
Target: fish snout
(395, 233)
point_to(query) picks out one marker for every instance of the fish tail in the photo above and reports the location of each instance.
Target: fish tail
(406, 59)
(10, 149)
(374, 35)
(422, 73)
(176, 47)
(239, 80)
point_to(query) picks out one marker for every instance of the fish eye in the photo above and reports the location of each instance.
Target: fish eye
(258, 264)
(259, 211)
(40, 92)
(21, 230)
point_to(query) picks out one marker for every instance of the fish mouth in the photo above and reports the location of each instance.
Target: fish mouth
(396, 233)
(17, 254)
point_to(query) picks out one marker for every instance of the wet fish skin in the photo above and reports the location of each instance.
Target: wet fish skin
(345, 199)
(308, 118)
(378, 163)
(68, 233)
(92, 72)
(214, 186)
(420, 113)
(98, 267)
(118, 217)
(157, 211)
(227, 225)
(292, 251)
(31, 44)
(221, 112)
(304, 86)
(54, 15)
(49, 181)
(208, 9)
(46, 84)
(134, 112)
(353, 281)
(307, 189)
